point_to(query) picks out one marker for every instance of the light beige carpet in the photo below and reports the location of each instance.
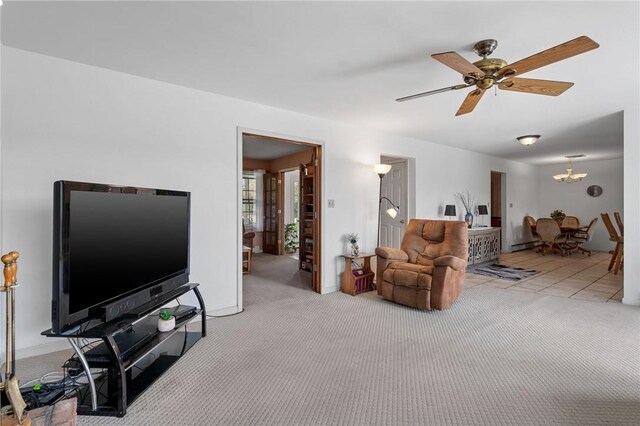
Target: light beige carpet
(494, 357)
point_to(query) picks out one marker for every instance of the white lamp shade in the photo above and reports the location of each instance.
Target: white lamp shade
(381, 169)
(392, 212)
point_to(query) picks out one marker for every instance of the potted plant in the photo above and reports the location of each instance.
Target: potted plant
(290, 237)
(352, 241)
(558, 216)
(166, 321)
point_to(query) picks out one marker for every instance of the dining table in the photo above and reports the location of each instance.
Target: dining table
(568, 245)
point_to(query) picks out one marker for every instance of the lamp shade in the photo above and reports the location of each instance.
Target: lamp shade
(381, 169)
(392, 212)
(528, 139)
(450, 210)
(482, 209)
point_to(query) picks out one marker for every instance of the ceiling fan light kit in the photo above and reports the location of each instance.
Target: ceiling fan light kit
(527, 140)
(490, 72)
(570, 177)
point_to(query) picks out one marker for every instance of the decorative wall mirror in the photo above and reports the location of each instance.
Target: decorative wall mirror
(594, 190)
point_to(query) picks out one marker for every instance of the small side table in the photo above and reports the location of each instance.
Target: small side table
(246, 263)
(357, 280)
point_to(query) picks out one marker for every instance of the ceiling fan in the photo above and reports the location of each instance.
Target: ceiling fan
(489, 72)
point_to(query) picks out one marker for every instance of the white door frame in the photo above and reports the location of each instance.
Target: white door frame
(239, 132)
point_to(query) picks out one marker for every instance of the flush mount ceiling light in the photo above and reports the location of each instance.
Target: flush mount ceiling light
(528, 139)
(571, 177)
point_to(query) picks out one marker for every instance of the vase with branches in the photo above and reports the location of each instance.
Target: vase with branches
(467, 202)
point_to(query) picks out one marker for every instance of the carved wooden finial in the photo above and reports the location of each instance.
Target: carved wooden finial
(10, 268)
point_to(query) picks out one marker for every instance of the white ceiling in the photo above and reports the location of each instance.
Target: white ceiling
(262, 148)
(349, 61)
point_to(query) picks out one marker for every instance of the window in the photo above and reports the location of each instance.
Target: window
(249, 199)
(296, 200)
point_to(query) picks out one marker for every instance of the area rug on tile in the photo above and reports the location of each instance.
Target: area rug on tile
(501, 271)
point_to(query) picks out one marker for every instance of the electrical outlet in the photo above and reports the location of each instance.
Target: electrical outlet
(331, 203)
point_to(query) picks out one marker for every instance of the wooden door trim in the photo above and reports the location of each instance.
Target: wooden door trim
(280, 213)
(317, 249)
(313, 143)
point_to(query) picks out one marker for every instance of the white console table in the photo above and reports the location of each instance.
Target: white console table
(484, 245)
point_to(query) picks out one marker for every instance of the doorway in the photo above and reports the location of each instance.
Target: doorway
(395, 188)
(498, 202)
(283, 216)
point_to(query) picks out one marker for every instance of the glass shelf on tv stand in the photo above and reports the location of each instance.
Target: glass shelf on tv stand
(111, 357)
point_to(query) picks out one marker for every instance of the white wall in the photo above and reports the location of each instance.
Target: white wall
(574, 200)
(632, 203)
(2, 313)
(64, 120)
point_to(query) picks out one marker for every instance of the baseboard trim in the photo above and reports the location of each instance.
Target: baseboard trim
(54, 345)
(221, 312)
(331, 289)
(60, 344)
(630, 301)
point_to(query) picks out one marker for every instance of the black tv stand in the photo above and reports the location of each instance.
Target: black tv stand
(127, 342)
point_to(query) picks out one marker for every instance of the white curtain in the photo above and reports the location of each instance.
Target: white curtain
(259, 206)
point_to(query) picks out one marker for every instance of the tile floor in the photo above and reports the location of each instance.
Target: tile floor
(577, 276)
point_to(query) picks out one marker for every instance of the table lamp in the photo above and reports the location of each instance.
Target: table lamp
(450, 210)
(482, 211)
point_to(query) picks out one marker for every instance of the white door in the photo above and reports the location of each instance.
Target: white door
(394, 187)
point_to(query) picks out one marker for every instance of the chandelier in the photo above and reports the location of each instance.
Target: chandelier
(570, 177)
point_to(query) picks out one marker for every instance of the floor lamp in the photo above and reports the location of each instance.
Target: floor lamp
(381, 170)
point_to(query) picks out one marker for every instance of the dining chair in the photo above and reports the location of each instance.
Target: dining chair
(247, 237)
(618, 251)
(570, 222)
(531, 223)
(553, 239)
(583, 235)
(616, 215)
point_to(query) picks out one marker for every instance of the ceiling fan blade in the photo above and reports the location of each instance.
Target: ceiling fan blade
(458, 63)
(536, 87)
(558, 53)
(470, 102)
(433, 92)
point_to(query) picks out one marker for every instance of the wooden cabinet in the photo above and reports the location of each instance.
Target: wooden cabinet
(357, 278)
(484, 245)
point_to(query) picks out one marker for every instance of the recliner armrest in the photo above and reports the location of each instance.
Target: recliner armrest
(453, 262)
(390, 253)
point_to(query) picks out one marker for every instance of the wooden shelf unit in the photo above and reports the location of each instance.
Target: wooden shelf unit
(360, 279)
(308, 216)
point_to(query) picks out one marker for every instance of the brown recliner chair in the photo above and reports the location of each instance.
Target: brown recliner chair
(428, 271)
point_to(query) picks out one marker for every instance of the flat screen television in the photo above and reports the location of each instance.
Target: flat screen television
(115, 248)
